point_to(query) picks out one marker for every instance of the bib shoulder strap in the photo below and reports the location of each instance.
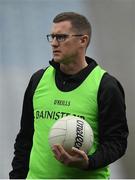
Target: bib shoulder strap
(35, 79)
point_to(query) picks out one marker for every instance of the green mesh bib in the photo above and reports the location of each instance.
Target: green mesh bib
(50, 104)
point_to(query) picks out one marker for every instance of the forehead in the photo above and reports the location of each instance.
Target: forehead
(61, 27)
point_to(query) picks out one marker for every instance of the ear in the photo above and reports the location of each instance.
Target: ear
(84, 40)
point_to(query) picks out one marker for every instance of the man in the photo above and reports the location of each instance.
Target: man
(91, 92)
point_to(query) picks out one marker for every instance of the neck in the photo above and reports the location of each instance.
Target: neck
(73, 67)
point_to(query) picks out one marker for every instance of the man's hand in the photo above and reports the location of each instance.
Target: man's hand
(79, 159)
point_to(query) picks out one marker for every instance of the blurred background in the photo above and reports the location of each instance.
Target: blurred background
(24, 49)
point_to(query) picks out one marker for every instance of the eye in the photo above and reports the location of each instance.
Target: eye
(61, 37)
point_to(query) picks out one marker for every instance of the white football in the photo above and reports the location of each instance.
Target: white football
(72, 131)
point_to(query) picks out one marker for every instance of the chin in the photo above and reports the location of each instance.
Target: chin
(58, 60)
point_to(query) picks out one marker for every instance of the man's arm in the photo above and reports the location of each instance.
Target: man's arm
(23, 143)
(113, 129)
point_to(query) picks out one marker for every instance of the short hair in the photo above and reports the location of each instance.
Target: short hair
(80, 23)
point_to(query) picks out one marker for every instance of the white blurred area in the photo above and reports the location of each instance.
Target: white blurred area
(24, 50)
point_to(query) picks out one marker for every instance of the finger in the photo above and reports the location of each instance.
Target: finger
(62, 151)
(60, 154)
(80, 153)
(59, 147)
(57, 153)
(56, 150)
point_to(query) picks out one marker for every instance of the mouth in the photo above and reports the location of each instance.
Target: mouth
(56, 51)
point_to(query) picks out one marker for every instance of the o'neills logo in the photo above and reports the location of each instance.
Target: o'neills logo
(79, 134)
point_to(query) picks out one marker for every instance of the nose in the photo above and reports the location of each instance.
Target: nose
(54, 42)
